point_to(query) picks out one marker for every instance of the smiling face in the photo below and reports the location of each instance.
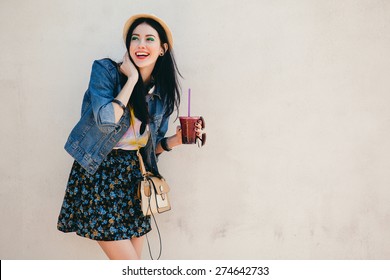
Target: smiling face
(145, 48)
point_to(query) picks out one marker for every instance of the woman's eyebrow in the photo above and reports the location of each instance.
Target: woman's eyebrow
(147, 35)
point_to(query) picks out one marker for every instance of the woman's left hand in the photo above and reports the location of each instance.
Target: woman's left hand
(178, 136)
(199, 128)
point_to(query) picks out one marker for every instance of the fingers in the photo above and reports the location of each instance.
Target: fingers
(126, 57)
(198, 125)
(198, 128)
(126, 61)
(128, 68)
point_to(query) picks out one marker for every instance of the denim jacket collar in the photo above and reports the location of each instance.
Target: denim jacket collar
(154, 91)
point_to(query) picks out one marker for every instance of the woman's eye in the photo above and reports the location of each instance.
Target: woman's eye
(134, 38)
(150, 39)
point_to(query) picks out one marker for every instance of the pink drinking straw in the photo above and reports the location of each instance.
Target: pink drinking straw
(189, 102)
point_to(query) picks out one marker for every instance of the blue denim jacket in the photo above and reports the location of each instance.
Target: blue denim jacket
(96, 133)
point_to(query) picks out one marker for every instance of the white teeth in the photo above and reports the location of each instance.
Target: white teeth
(141, 53)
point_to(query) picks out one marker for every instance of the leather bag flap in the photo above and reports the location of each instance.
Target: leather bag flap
(160, 185)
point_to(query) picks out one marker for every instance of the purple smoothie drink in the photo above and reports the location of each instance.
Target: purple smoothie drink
(188, 130)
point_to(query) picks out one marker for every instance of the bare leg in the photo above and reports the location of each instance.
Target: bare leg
(138, 244)
(121, 249)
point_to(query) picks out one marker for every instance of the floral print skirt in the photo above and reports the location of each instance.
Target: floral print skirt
(105, 206)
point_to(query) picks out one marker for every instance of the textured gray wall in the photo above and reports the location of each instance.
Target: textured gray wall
(296, 99)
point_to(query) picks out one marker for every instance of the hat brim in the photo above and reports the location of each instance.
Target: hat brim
(130, 21)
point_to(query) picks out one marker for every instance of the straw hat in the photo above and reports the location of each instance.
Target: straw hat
(130, 21)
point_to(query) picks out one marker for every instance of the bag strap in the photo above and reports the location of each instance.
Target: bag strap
(141, 164)
(159, 238)
(144, 175)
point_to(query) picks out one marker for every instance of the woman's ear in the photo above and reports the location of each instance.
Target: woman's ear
(165, 45)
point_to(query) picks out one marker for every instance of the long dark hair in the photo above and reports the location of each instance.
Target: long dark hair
(164, 75)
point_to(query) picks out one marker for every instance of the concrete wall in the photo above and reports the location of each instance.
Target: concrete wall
(296, 99)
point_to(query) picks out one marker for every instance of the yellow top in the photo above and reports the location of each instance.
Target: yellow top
(131, 141)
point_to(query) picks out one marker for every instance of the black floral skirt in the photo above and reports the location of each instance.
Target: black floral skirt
(105, 206)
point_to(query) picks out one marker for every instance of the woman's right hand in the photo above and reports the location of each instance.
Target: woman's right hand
(128, 68)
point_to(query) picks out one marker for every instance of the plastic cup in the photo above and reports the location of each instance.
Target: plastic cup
(188, 129)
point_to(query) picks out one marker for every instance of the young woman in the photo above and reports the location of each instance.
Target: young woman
(126, 107)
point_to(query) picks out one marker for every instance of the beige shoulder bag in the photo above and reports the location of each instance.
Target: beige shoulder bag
(153, 191)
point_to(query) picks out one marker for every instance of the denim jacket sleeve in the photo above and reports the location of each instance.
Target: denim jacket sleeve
(101, 90)
(162, 129)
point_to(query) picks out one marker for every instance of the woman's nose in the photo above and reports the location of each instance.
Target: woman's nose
(141, 43)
